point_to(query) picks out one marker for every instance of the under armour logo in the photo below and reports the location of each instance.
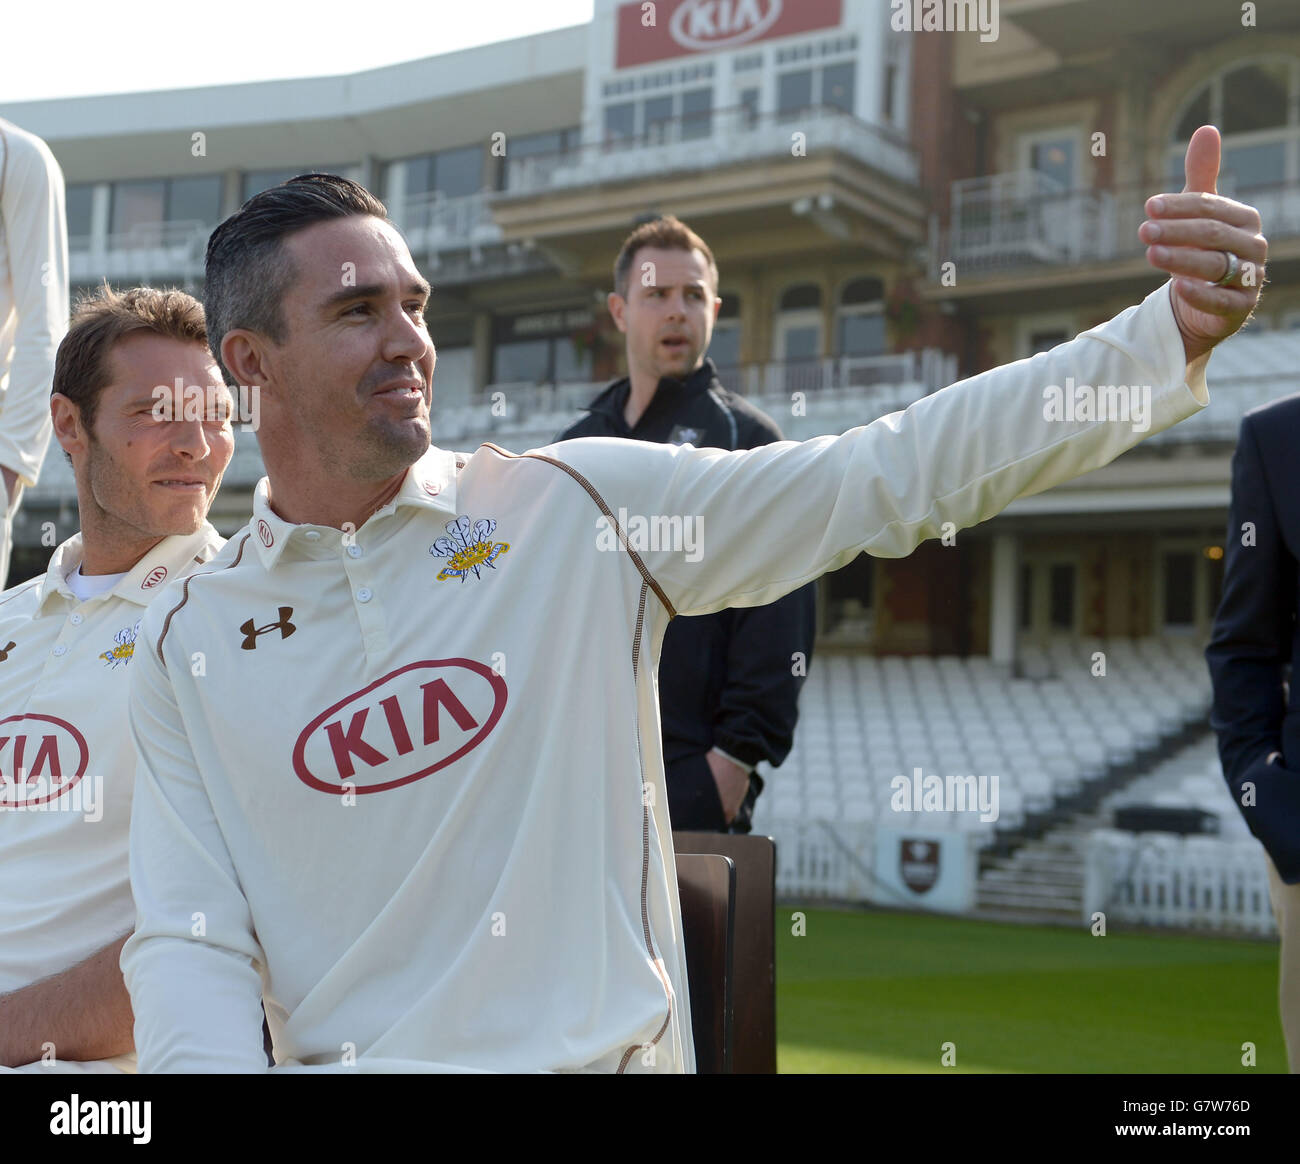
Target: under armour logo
(285, 627)
(4, 654)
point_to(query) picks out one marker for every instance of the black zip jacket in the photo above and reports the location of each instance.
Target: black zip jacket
(726, 679)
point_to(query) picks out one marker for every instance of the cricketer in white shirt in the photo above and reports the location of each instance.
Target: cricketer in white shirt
(400, 774)
(403, 800)
(68, 643)
(66, 761)
(33, 310)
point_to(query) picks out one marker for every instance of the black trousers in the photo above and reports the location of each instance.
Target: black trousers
(693, 802)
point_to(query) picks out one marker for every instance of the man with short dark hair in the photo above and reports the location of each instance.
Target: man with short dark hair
(67, 648)
(415, 802)
(728, 682)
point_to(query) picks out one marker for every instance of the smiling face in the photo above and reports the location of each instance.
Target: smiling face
(141, 477)
(349, 389)
(668, 314)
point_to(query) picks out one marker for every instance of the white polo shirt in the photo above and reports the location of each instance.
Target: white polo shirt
(405, 797)
(66, 760)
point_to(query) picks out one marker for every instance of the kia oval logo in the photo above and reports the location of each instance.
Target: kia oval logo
(401, 728)
(264, 532)
(154, 577)
(41, 757)
(716, 24)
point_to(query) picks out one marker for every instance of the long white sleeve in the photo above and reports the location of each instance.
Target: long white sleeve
(768, 520)
(190, 965)
(33, 298)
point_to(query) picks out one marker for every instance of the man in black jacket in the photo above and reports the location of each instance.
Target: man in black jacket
(728, 682)
(1256, 712)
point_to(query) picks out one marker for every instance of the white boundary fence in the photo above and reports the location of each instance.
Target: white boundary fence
(1160, 879)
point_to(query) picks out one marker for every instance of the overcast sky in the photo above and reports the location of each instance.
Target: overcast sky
(70, 48)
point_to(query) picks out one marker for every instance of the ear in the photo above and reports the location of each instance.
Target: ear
(68, 429)
(717, 306)
(244, 353)
(617, 308)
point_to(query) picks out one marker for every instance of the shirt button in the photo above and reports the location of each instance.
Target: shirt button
(60, 650)
(312, 535)
(364, 595)
(354, 551)
(75, 620)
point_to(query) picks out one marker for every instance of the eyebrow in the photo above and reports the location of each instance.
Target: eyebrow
(419, 287)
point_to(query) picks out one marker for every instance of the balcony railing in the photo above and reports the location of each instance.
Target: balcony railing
(148, 250)
(1025, 220)
(434, 222)
(727, 136)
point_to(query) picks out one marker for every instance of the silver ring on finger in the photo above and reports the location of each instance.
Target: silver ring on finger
(1234, 266)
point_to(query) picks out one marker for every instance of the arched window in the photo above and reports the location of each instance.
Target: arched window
(1256, 106)
(860, 318)
(797, 336)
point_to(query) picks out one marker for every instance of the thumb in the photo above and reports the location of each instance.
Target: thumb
(1202, 162)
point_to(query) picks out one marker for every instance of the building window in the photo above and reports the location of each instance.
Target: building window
(547, 347)
(1256, 105)
(697, 114)
(860, 323)
(793, 94)
(837, 86)
(531, 151)
(620, 121)
(78, 201)
(138, 205)
(724, 348)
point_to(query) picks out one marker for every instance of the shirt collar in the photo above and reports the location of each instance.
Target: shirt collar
(169, 559)
(428, 484)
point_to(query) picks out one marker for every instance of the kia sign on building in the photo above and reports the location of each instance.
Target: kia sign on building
(703, 26)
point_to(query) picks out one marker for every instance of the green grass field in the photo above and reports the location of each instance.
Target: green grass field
(880, 992)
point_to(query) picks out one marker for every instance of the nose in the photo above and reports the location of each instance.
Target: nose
(188, 439)
(407, 342)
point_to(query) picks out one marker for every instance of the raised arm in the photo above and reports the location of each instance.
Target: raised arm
(191, 964)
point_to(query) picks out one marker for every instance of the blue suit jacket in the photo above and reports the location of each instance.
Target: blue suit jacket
(1256, 709)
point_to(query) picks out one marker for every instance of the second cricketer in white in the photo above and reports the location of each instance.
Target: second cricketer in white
(414, 799)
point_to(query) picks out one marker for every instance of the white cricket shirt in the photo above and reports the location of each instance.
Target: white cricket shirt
(66, 759)
(405, 798)
(33, 295)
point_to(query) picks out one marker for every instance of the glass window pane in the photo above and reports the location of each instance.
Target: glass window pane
(620, 121)
(749, 100)
(1255, 165)
(862, 291)
(1254, 97)
(529, 145)
(571, 366)
(793, 92)
(1061, 585)
(862, 335)
(1055, 159)
(1197, 115)
(77, 203)
(419, 176)
(658, 113)
(697, 111)
(837, 86)
(195, 200)
(804, 295)
(724, 350)
(802, 343)
(1180, 587)
(1026, 598)
(458, 172)
(522, 360)
(136, 204)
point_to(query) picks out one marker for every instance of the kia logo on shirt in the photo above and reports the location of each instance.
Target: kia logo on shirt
(154, 577)
(401, 728)
(41, 757)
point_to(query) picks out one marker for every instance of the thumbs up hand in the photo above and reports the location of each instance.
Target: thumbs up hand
(1193, 235)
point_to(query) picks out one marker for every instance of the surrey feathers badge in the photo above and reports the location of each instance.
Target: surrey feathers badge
(468, 548)
(124, 651)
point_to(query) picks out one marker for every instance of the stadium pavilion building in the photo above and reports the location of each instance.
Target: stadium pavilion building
(890, 209)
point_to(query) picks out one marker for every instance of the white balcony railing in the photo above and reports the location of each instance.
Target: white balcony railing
(149, 250)
(707, 142)
(1021, 220)
(434, 222)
